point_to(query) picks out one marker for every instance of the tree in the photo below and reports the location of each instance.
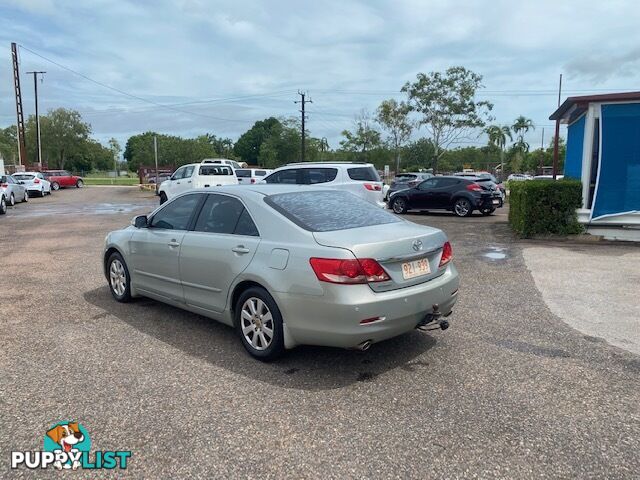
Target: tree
(116, 149)
(520, 148)
(248, 145)
(63, 133)
(446, 103)
(498, 138)
(9, 144)
(394, 118)
(364, 137)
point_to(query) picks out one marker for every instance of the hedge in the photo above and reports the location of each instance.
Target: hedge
(545, 207)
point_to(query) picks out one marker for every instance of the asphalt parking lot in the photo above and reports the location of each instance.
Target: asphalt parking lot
(509, 391)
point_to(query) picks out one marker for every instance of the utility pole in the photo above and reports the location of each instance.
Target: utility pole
(155, 155)
(38, 144)
(22, 150)
(302, 101)
(555, 140)
(542, 152)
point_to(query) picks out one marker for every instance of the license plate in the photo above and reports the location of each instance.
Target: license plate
(417, 268)
(496, 202)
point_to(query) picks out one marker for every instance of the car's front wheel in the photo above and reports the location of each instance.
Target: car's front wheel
(55, 186)
(259, 323)
(462, 207)
(3, 206)
(487, 211)
(399, 206)
(163, 197)
(79, 184)
(12, 200)
(26, 196)
(119, 279)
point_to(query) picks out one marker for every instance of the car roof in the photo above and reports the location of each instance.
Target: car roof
(260, 189)
(326, 164)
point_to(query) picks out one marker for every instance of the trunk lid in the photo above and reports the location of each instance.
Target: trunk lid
(392, 245)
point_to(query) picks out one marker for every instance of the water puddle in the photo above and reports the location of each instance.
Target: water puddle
(495, 253)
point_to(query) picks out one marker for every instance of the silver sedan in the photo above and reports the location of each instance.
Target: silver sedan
(287, 265)
(11, 192)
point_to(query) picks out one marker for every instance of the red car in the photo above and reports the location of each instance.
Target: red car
(62, 178)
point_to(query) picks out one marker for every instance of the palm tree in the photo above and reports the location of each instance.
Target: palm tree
(498, 137)
(520, 127)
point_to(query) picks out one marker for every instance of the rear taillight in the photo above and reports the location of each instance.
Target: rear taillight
(474, 187)
(447, 254)
(373, 187)
(37, 180)
(335, 270)
(4, 185)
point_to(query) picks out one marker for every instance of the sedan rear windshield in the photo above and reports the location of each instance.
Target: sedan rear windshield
(327, 211)
(215, 170)
(24, 177)
(243, 173)
(364, 174)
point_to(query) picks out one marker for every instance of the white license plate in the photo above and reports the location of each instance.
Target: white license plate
(417, 268)
(496, 202)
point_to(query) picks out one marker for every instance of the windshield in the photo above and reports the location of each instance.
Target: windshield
(340, 210)
(23, 177)
(215, 170)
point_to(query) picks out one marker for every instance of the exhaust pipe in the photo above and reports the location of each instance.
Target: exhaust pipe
(364, 346)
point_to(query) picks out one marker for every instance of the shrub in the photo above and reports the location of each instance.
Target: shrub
(545, 207)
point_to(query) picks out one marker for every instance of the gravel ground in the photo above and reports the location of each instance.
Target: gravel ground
(509, 391)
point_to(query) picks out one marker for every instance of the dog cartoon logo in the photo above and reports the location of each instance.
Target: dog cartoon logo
(70, 438)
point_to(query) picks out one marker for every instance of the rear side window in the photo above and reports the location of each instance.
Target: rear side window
(222, 214)
(339, 210)
(260, 173)
(364, 174)
(289, 176)
(312, 176)
(447, 182)
(242, 173)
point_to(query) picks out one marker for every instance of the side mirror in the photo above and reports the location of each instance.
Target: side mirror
(140, 221)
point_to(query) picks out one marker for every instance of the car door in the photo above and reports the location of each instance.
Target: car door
(66, 180)
(423, 195)
(217, 250)
(155, 250)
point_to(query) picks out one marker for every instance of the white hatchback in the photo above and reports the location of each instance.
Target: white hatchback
(34, 182)
(197, 175)
(361, 179)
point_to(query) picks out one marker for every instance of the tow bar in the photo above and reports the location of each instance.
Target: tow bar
(433, 320)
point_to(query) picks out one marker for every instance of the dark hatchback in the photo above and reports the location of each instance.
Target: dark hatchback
(460, 195)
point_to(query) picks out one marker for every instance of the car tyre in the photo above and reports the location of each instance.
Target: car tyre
(462, 207)
(79, 184)
(399, 206)
(26, 196)
(119, 279)
(3, 205)
(258, 321)
(12, 200)
(55, 186)
(487, 211)
(163, 197)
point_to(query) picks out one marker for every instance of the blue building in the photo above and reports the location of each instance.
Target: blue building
(603, 151)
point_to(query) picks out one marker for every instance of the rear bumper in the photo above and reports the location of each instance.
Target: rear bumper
(333, 319)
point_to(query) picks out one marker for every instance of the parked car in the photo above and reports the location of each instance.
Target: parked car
(458, 194)
(12, 192)
(62, 179)
(407, 180)
(232, 163)
(248, 176)
(283, 272)
(34, 182)
(519, 177)
(548, 177)
(196, 175)
(161, 178)
(361, 179)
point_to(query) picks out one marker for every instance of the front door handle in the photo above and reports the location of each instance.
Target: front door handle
(173, 243)
(240, 249)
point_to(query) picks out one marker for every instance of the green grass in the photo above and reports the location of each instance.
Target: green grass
(111, 181)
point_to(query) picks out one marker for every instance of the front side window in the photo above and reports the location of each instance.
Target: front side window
(188, 171)
(320, 175)
(289, 176)
(178, 174)
(427, 184)
(176, 214)
(223, 214)
(340, 210)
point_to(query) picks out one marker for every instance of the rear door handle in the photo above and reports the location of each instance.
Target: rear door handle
(173, 243)
(240, 249)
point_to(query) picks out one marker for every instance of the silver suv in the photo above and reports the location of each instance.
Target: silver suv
(361, 179)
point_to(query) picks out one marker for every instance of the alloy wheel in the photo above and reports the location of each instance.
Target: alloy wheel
(55, 185)
(118, 277)
(398, 206)
(3, 206)
(26, 196)
(462, 208)
(257, 323)
(12, 200)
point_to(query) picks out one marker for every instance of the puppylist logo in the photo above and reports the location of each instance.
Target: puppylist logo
(66, 446)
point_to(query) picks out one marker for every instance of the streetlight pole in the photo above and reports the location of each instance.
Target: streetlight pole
(38, 143)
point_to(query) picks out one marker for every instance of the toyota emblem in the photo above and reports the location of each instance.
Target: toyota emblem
(417, 245)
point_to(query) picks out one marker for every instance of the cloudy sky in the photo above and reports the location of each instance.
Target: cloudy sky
(222, 65)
